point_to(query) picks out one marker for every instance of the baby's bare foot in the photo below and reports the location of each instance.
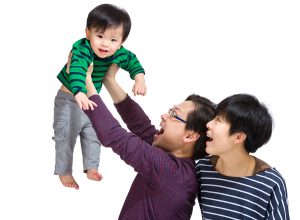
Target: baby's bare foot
(69, 181)
(93, 174)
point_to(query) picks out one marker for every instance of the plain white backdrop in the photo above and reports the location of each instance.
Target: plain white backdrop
(213, 48)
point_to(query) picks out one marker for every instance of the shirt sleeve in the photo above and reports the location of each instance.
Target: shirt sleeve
(198, 173)
(136, 119)
(82, 57)
(198, 170)
(154, 164)
(131, 63)
(278, 204)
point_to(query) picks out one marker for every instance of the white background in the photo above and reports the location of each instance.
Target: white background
(213, 48)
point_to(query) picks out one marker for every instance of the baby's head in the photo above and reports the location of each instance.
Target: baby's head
(107, 27)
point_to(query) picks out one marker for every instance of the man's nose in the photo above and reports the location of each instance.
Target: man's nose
(164, 117)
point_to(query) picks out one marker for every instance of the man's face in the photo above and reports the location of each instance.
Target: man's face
(172, 133)
(105, 43)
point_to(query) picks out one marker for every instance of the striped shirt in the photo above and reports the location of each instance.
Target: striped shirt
(83, 56)
(261, 196)
(165, 186)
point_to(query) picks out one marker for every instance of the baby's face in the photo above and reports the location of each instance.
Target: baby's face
(105, 43)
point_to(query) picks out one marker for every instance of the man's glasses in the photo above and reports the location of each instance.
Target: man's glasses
(172, 114)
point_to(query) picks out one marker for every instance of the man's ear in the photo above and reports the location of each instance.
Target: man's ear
(191, 136)
(87, 33)
(240, 137)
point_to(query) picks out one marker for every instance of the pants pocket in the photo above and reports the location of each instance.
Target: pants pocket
(59, 131)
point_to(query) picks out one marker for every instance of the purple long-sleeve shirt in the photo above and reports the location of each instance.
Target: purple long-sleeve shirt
(165, 186)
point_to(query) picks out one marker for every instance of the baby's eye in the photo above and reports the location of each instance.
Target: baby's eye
(99, 36)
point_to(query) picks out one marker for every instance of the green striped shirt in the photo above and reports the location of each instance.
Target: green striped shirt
(83, 56)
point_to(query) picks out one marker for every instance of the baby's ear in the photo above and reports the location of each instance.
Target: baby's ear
(87, 33)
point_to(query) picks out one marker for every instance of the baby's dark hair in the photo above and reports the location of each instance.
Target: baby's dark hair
(197, 120)
(109, 16)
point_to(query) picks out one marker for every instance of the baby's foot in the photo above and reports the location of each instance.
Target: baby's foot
(69, 181)
(93, 174)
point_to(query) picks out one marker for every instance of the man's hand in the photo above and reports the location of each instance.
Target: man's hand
(111, 72)
(81, 98)
(69, 62)
(90, 70)
(91, 90)
(83, 101)
(139, 87)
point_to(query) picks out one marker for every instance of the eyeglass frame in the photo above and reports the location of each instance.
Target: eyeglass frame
(172, 114)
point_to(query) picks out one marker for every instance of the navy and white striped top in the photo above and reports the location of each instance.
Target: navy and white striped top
(261, 196)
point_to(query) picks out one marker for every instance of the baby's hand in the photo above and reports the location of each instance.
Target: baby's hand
(83, 101)
(139, 87)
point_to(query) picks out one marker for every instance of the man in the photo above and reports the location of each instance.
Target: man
(166, 185)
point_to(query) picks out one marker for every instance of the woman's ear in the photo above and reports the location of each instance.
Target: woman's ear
(240, 137)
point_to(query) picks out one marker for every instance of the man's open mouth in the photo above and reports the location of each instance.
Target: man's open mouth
(161, 131)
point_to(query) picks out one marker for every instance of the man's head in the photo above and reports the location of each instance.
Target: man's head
(241, 119)
(107, 27)
(183, 128)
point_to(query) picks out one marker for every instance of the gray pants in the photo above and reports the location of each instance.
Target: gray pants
(69, 122)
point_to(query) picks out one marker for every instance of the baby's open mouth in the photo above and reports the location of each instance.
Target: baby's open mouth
(103, 51)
